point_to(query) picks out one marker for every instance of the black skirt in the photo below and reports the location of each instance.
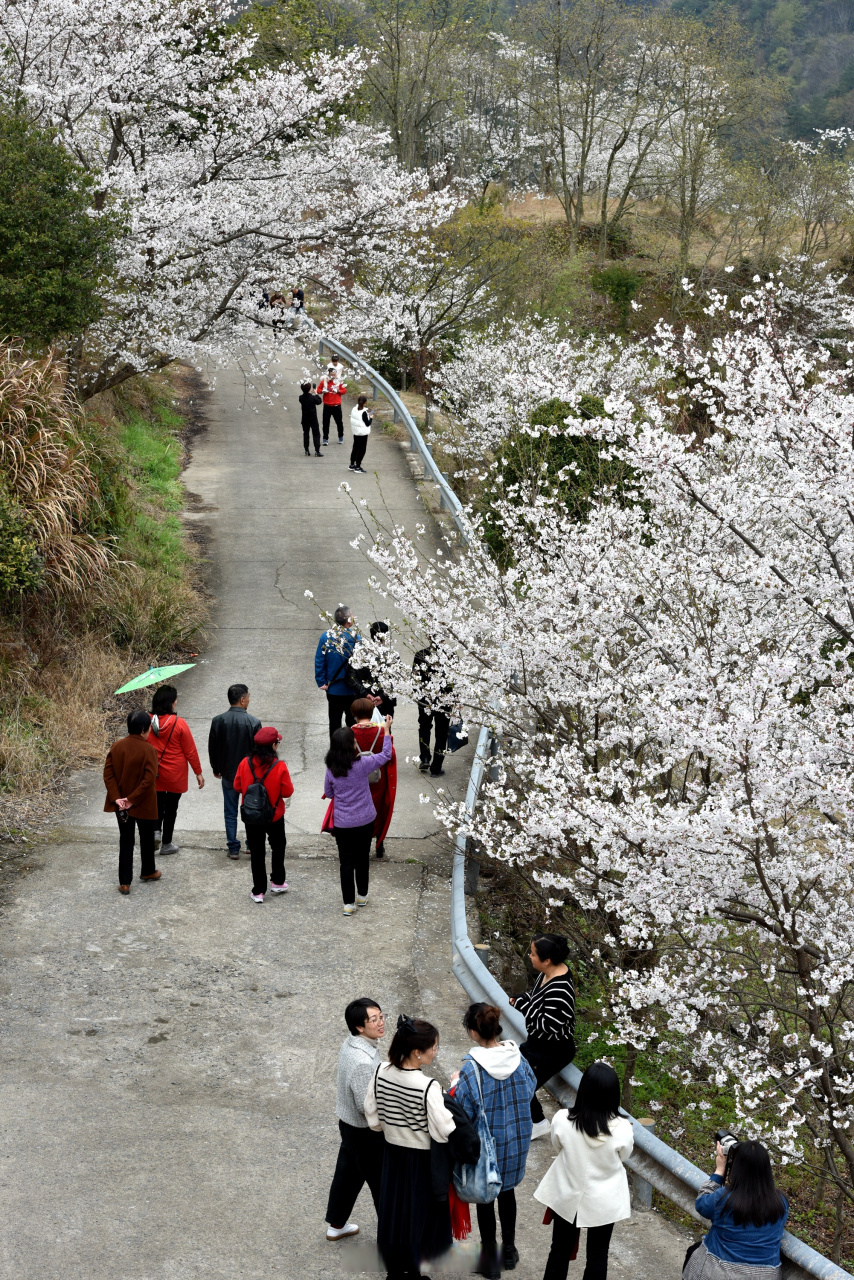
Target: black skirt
(413, 1226)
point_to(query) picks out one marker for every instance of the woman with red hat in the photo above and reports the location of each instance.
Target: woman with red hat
(265, 767)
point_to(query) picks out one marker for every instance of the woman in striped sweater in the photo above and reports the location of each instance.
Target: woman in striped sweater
(407, 1107)
(549, 1012)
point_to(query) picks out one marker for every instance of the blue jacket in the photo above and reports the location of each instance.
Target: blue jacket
(749, 1245)
(332, 659)
(507, 1104)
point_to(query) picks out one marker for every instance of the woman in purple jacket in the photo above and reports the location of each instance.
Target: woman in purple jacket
(353, 811)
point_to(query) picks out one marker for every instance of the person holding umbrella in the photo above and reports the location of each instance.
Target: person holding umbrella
(173, 742)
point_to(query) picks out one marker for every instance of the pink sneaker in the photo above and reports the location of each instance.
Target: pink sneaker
(279, 888)
(257, 897)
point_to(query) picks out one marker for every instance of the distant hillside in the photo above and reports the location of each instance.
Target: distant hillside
(811, 43)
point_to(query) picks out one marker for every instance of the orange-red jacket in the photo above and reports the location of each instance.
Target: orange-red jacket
(278, 783)
(175, 749)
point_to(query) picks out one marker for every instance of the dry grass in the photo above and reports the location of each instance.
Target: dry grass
(45, 468)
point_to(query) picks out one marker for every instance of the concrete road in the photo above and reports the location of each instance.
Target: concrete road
(167, 1060)
(278, 526)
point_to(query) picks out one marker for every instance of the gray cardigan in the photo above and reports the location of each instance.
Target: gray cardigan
(358, 1059)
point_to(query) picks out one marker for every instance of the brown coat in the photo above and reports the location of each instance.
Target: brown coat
(130, 773)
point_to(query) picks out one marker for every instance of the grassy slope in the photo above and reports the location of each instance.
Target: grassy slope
(59, 665)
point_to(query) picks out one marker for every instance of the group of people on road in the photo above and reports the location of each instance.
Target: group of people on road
(420, 1150)
(329, 392)
(147, 772)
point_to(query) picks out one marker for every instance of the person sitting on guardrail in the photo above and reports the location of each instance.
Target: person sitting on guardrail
(495, 1070)
(748, 1216)
(360, 425)
(549, 1013)
(586, 1185)
(332, 387)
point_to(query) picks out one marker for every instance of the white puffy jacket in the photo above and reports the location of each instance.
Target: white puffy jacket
(360, 421)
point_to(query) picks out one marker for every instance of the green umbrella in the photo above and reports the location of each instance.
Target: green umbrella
(153, 676)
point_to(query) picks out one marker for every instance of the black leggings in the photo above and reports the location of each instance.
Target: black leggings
(546, 1058)
(506, 1215)
(354, 854)
(564, 1240)
(357, 453)
(167, 812)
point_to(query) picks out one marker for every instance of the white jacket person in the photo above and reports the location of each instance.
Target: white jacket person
(587, 1182)
(360, 421)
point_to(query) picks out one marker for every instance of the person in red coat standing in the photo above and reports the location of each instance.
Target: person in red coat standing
(332, 388)
(369, 737)
(173, 742)
(265, 766)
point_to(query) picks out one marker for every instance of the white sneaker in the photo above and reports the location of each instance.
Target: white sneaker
(541, 1129)
(169, 848)
(360, 901)
(349, 908)
(279, 888)
(257, 897)
(338, 1233)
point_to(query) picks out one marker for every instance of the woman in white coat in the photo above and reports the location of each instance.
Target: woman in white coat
(360, 424)
(586, 1185)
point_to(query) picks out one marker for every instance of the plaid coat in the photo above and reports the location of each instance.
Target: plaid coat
(508, 1112)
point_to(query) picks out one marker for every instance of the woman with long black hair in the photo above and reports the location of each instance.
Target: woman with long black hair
(549, 1012)
(586, 1185)
(173, 742)
(407, 1106)
(748, 1216)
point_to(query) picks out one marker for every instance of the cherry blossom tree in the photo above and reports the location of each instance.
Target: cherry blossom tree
(671, 683)
(226, 177)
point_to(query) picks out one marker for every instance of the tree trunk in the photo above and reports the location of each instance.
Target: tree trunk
(628, 1072)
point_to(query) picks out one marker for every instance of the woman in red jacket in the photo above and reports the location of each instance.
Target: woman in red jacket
(265, 766)
(369, 737)
(171, 738)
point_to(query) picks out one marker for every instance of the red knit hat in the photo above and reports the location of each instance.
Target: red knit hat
(268, 736)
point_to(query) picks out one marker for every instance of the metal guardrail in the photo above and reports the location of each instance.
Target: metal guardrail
(652, 1160)
(449, 500)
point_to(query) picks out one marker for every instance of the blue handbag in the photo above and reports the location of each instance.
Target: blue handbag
(479, 1183)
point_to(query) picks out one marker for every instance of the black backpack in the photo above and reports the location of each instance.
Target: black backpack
(256, 810)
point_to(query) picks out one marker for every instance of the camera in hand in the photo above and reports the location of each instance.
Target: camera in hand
(728, 1142)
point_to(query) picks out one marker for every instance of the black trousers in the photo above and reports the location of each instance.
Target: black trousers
(507, 1217)
(167, 812)
(339, 705)
(360, 1160)
(357, 453)
(127, 839)
(564, 1238)
(546, 1058)
(314, 428)
(333, 411)
(354, 856)
(438, 722)
(256, 839)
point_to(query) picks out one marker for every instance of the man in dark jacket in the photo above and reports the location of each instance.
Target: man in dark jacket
(433, 713)
(332, 667)
(130, 776)
(230, 741)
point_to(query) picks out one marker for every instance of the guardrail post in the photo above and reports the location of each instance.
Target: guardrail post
(494, 771)
(442, 504)
(395, 418)
(472, 871)
(320, 350)
(641, 1189)
(374, 389)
